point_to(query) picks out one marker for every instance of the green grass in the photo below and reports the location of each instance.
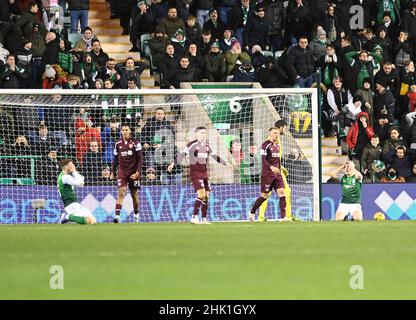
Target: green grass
(222, 261)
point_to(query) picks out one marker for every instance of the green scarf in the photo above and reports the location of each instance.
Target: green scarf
(327, 77)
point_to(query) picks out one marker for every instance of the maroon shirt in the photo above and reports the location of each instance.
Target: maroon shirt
(270, 156)
(199, 152)
(128, 157)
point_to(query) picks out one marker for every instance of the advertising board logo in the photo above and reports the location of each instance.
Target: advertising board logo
(396, 208)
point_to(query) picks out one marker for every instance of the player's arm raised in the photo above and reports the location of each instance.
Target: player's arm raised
(335, 173)
(73, 179)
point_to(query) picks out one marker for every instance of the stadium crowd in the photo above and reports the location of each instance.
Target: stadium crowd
(365, 70)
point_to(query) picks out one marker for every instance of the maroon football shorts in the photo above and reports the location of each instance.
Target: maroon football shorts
(201, 184)
(124, 180)
(271, 183)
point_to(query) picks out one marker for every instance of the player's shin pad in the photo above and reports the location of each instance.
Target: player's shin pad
(288, 200)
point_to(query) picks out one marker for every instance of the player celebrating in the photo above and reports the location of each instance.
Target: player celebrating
(282, 127)
(67, 180)
(351, 183)
(129, 160)
(271, 174)
(199, 151)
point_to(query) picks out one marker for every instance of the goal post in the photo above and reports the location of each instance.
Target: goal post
(40, 127)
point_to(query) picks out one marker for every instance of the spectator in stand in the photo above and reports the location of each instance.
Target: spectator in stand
(171, 23)
(408, 23)
(384, 100)
(271, 75)
(235, 57)
(402, 50)
(65, 58)
(245, 73)
(86, 70)
(85, 44)
(257, 57)
(301, 63)
(384, 42)
(382, 127)
(160, 9)
(169, 61)
(196, 60)
(256, 31)
(142, 23)
(98, 55)
(109, 84)
(366, 94)
(392, 28)
(183, 7)
(203, 8)
(204, 42)
(54, 77)
(183, 73)
(157, 45)
(180, 42)
(215, 25)
(392, 177)
(411, 124)
(13, 76)
(109, 136)
(238, 18)
(92, 164)
(24, 59)
(359, 136)
(394, 140)
(371, 152)
(192, 29)
(330, 64)
(299, 21)
(226, 40)
(129, 71)
(79, 11)
(110, 72)
(125, 9)
(47, 168)
(50, 55)
(330, 23)
(390, 76)
(29, 18)
(85, 133)
(319, 45)
(38, 48)
(407, 76)
(276, 17)
(99, 84)
(401, 160)
(225, 7)
(215, 64)
(19, 167)
(44, 141)
(412, 177)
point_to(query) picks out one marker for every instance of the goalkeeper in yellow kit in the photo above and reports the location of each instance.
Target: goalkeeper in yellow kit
(281, 126)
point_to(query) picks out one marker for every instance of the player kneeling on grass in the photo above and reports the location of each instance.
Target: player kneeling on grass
(199, 152)
(271, 173)
(67, 180)
(351, 184)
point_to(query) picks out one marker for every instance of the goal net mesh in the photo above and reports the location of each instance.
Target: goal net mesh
(38, 130)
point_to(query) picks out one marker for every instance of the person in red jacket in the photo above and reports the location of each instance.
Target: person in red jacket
(359, 135)
(83, 137)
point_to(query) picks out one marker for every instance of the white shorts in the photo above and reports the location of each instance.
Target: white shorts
(78, 210)
(348, 208)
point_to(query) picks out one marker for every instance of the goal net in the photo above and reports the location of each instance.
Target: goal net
(38, 128)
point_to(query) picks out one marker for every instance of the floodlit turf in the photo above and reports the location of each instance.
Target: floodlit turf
(292, 260)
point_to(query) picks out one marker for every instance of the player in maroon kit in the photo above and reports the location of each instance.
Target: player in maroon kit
(129, 160)
(199, 151)
(271, 175)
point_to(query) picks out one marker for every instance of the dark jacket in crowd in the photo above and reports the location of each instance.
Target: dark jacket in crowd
(151, 127)
(215, 66)
(300, 62)
(275, 16)
(271, 75)
(100, 59)
(217, 31)
(385, 101)
(79, 5)
(256, 31)
(392, 80)
(178, 75)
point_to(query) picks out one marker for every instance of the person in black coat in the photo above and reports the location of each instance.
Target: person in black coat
(182, 73)
(384, 101)
(238, 18)
(142, 23)
(50, 55)
(215, 25)
(167, 63)
(13, 76)
(271, 75)
(301, 63)
(92, 164)
(256, 31)
(299, 22)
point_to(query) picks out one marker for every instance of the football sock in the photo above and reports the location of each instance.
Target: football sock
(118, 209)
(306, 123)
(282, 205)
(204, 208)
(73, 218)
(257, 204)
(296, 123)
(197, 205)
(263, 208)
(136, 211)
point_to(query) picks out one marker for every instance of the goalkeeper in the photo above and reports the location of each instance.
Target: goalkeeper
(67, 180)
(282, 127)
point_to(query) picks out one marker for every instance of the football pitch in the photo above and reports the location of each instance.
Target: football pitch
(272, 260)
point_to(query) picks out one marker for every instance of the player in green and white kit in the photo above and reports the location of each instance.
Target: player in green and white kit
(351, 184)
(67, 180)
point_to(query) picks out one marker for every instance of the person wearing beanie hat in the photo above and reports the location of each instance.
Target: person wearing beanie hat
(141, 23)
(235, 57)
(215, 64)
(318, 46)
(157, 45)
(382, 39)
(256, 31)
(227, 37)
(366, 93)
(384, 99)
(214, 24)
(180, 42)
